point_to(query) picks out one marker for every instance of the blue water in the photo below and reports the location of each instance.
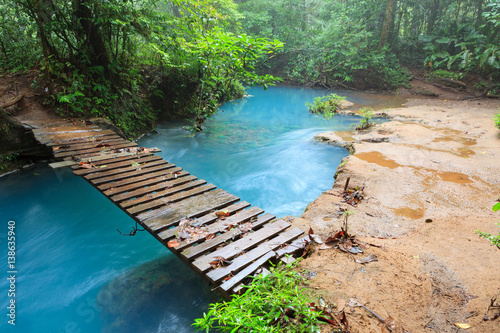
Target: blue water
(68, 250)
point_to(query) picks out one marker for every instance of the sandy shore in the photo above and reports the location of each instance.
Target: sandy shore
(430, 176)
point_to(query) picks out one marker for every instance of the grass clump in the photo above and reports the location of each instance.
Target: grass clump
(327, 106)
(365, 123)
(495, 240)
(272, 303)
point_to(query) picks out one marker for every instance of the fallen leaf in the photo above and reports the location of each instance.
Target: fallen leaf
(316, 238)
(325, 247)
(340, 305)
(173, 243)
(462, 325)
(210, 236)
(246, 227)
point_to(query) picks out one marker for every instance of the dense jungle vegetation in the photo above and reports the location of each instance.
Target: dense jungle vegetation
(133, 61)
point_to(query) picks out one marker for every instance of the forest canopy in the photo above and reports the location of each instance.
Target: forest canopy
(132, 61)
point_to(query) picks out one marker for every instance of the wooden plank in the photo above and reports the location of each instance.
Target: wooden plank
(66, 129)
(146, 181)
(88, 145)
(156, 191)
(132, 166)
(109, 159)
(65, 137)
(213, 243)
(193, 207)
(132, 180)
(162, 166)
(110, 166)
(75, 141)
(95, 159)
(298, 244)
(48, 122)
(220, 227)
(241, 261)
(77, 152)
(86, 142)
(170, 199)
(235, 280)
(233, 249)
(208, 218)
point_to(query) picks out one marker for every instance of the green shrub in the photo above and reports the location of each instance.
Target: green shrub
(365, 123)
(495, 240)
(327, 106)
(272, 303)
(497, 120)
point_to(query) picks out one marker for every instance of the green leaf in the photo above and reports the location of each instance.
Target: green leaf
(496, 207)
(443, 40)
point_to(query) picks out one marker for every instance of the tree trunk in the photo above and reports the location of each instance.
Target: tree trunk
(95, 44)
(388, 22)
(433, 13)
(479, 19)
(46, 48)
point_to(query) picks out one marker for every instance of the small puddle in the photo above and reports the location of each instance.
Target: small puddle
(414, 214)
(378, 158)
(462, 140)
(454, 177)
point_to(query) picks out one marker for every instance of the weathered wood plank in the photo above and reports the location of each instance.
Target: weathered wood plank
(48, 122)
(231, 250)
(96, 159)
(82, 140)
(137, 179)
(160, 190)
(213, 243)
(235, 280)
(296, 245)
(162, 176)
(78, 152)
(170, 199)
(241, 261)
(66, 129)
(133, 174)
(193, 207)
(86, 142)
(65, 137)
(62, 148)
(220, 227)
(101, 167)
(132, 166)
(205, 219)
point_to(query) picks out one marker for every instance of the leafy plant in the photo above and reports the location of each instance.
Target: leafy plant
(272, 303)
(365, 123)
(495, 240)
(497, 120)
(327, 106)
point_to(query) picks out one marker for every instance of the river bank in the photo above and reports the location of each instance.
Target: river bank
(430, 177)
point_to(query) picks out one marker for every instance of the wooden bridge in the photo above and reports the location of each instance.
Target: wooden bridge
(223, 239)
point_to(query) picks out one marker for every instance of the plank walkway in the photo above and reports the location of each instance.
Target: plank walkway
(222, 238)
